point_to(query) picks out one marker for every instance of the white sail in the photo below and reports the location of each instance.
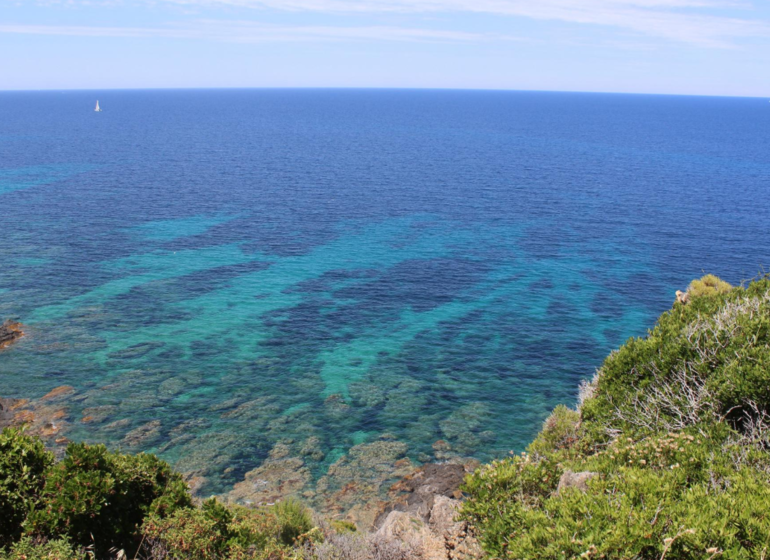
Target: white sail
(98, 110)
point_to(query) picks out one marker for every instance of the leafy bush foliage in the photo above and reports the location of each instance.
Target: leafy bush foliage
(215, 531)
(102, 502)
(100, 498)
(28, 548)
(23, 463)
(675, 427)
(709, 285)
(294, 520)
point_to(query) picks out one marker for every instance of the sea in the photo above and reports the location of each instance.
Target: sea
(220, 272)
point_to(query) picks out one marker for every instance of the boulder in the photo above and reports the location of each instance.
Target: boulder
(443, 517)
(682, 297)
(577, 480)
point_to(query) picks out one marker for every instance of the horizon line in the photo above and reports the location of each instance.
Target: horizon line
(371, 88)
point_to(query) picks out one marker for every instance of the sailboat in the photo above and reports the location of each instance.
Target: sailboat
(98, 109)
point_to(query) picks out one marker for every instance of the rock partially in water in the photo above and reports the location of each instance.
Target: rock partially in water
(10, 332)
(58, 394)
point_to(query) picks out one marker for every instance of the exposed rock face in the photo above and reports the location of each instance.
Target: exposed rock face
(10, 332)
(427, 515)
(682, 297)
(415, 493)
(577, 480)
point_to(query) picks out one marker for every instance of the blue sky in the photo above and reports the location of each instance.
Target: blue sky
(708, 47)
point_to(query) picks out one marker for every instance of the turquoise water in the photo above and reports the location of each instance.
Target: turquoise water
(354, 264)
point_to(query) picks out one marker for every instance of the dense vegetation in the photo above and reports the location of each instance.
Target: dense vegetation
(671, 438)
(95, 503)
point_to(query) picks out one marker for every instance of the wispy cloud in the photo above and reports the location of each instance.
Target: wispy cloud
(690, 21)
(698, 22)
(251, 32)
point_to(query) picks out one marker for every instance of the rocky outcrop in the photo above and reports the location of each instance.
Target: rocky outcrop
(425, 515)
(682, 297)
(10, 332)
(577, 480)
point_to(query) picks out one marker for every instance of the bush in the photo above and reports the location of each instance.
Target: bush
(294, 520)
(218, 531)
(188, 533)
(30, 549)
(560, 431)
(709, 285)
(23, 463)
(99, 499)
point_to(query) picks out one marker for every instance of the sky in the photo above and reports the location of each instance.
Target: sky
(697, 47)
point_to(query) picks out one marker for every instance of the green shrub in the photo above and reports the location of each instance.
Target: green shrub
(187, 533)
(253, 528)
(342, 527)
(30, 549)
(218, 531)
(560, 431)
(709, 285)
(23, 462)
(100, 498)
(701, 361)
(500, 491)
(294, 520)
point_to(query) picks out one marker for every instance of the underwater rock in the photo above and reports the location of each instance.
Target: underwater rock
(257, 409)
(10, 332)
(8, 408)
(43, 419)
(279, 477)
(189, 426)
(118, 425)
(172, 387)
(58, 393)
(143, 435)
(357, 483)
(98, 414)
(336, 405)
(135, 351)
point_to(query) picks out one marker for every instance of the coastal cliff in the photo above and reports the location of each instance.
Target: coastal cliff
(665, 456)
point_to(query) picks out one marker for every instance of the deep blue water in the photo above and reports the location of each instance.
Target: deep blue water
(256, 266)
